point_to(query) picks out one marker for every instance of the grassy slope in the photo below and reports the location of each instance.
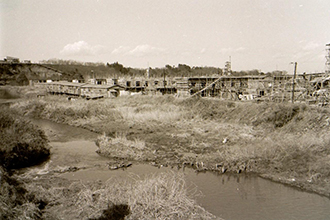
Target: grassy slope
(21, 145)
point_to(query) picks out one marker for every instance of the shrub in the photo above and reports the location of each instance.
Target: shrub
(22, 143)
(14, 202)
(7, 94)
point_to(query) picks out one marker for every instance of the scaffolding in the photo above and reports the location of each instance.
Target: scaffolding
(327, 56)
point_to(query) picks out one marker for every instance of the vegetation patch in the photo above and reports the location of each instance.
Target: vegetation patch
(158, 196)
(14, 200)
(22, 143)
(284, 139)
(5, 93)
(119, 147)
(279, 115)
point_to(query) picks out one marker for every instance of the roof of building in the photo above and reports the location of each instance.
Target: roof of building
(87, 85)
(66, 83)
(11, 58)
(223, 77)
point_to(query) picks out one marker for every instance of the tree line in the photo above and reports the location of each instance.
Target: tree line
(117, 70)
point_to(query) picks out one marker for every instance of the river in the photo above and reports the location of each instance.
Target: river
(229, 196)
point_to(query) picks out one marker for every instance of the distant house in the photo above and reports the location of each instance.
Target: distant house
(92, 91)
(134, 85)
(78, 78)
(63, 87)
(10, 59)
(226, 87)
(100, 81)
(95, 81)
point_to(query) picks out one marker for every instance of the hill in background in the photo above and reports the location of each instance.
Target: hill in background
(21, 73)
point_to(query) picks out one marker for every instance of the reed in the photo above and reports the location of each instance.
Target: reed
(144, 115)
(161, 196)
(120, 147)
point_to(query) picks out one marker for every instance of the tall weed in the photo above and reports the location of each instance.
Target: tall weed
(278, 115)
(162, 196)
(121, 147)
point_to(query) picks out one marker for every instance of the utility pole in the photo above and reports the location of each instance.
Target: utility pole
(293, 80)
(164, 79)
(92, 80)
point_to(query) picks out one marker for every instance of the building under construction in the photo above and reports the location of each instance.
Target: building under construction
(310, 88)
(263, 87)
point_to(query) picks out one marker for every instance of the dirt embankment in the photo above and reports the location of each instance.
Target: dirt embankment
(288, 143)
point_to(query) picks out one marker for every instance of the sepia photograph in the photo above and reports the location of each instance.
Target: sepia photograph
(164, 109)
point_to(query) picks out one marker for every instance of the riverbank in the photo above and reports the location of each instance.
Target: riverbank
(284, 142)
(40, 193)
(22, 144)
(49, 196)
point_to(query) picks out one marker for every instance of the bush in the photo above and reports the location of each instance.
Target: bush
(7, 94)
(14, 202)
(22, 143)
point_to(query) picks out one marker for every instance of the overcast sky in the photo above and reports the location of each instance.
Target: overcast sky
(256, 34)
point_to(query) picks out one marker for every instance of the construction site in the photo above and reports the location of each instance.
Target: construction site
(136, 110)
(311, 88)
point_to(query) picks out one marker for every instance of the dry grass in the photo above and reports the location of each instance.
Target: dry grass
(157, 196)
(300, 156)
(286, 139)
(59, 109)
(282, 128)
(27, 211)
(23, 91)
(121, 147)
(143, 114)
(162, 196)
(14, 202)
(150, 110)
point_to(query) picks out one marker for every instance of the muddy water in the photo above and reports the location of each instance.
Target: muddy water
(228, 196)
